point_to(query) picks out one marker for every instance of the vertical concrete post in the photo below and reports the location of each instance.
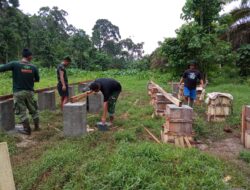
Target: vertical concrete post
(95, 102)
(47, 100)
(74, 119)
(71, 91)
(7, 115)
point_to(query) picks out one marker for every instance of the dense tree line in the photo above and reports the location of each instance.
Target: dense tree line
(215, 41)
(51, 37)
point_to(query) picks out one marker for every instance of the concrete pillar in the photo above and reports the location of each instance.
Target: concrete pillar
(74, 119)
(7, 115)
(95, 102)
(81, 86)
(71, 91)
(47, 100)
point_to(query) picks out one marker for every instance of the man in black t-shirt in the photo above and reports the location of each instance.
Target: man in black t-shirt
(190, 78)
(62, 78)
(110, 89)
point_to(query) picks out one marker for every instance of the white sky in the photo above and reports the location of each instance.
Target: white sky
(148, 21)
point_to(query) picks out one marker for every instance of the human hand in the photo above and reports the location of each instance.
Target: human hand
(64, 88)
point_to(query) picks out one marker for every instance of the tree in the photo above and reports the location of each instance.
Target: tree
(238, 32)
(105, 36)
(49, 35)
(14, 29)
(204, 12)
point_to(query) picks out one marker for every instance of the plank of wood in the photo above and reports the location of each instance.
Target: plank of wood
(8, 96)
(154, 137)
(247, 139)
(79, 97)
(181, 141)
(6, 175)
(171, 98)
(243, 124)
(187, 142)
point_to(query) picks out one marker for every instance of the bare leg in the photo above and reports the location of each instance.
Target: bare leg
(64, 100)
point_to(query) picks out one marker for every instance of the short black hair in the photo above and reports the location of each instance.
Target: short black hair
(94, 86)
(192, 62)
(67, 58)
(26, 53)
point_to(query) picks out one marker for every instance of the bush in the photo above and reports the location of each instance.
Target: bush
(243, 61)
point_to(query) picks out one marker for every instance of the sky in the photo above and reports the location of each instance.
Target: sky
(148, 21)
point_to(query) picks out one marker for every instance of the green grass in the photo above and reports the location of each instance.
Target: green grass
(245, 156)
(124, 157)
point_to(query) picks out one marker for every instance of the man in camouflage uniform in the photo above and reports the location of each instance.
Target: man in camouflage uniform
(24, 75)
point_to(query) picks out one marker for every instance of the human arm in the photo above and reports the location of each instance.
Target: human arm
(181, 81)
(36, 75)
(6, 67)
(61, 73)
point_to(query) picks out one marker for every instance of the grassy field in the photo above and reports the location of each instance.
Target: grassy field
(124, 157)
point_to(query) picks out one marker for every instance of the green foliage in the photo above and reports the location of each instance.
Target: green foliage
(245, 156)
(243, 61)
(204, 12)
(11, 142)
(192, 43)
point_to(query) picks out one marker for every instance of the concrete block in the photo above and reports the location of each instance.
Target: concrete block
(95, 102)
(81, 86)
(47, 100)
(71, 91)
(75, 119)
(7, 115)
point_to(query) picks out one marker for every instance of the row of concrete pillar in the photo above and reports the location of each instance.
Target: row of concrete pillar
(74, 114)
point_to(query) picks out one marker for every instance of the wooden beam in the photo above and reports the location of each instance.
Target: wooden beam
(8, 96)
(243, 124)
(6, 175)
(171, 98)
(79, 97)
(151, 134)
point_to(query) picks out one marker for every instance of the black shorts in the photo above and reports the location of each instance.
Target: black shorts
(61, 92)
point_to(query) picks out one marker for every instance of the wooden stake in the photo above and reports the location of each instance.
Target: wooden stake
(6, 175)
(151, 134)
(243, 125)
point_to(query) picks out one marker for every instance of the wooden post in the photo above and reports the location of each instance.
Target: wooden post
(243, 125)
(6, 175)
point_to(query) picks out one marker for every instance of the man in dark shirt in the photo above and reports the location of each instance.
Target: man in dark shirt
(62, 86)
(24, 75)
(110, 89)
(190, 78)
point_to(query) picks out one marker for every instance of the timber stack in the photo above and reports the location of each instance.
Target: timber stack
(219, 106)
(177, 128)
(245, 126)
